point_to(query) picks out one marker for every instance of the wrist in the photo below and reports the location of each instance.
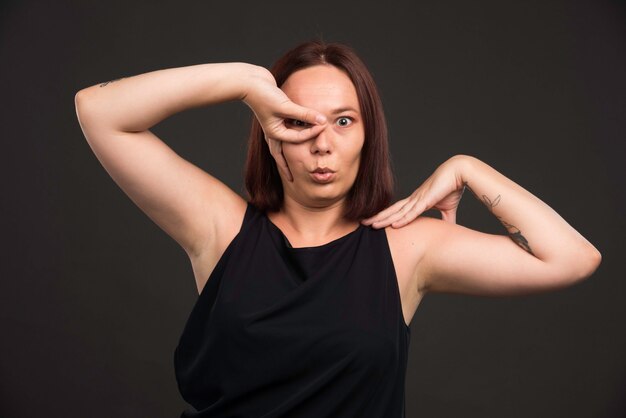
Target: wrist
(253, 75)
(464, 165)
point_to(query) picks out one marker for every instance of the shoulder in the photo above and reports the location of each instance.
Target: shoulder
(416, 234)
(231, 223)
(409, 243)
(226, 229)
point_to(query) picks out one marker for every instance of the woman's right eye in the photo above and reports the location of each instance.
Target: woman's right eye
(298, 123)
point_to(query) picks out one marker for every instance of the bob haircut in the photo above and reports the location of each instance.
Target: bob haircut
(372, 190)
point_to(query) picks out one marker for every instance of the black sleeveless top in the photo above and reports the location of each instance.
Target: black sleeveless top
(296, 332)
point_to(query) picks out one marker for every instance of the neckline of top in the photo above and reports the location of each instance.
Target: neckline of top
(317, 247)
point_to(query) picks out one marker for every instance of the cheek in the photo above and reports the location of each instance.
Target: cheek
(356, 154)
(293, 154)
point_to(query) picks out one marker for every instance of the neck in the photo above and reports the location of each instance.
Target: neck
(310, 223)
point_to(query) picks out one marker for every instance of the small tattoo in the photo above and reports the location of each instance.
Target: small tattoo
(520, 240)
(514, 233)
(488, 202)
(111, 81)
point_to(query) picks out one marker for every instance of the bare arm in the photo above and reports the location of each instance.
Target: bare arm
(531, 224)
(193, 207)
(541, 251)
(115, 118)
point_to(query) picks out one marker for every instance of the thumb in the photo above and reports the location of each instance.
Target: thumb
(449, 216)
(303, 114)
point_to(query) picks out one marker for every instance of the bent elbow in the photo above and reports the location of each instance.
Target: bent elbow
(596, 259)
(591, 264)
(79, 97)
(572, 271)
(81, 106)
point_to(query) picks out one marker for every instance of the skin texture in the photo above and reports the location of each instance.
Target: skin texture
(311, 210)
(447, 257)
(337, 147)
(540, 252)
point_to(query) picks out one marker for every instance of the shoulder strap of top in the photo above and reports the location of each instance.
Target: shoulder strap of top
(252, 214)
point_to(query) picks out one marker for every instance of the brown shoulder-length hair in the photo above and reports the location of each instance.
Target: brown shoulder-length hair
(372, 190)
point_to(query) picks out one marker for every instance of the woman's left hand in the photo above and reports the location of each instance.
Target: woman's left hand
(442, 191)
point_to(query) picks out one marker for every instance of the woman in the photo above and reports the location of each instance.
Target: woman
(307, 287)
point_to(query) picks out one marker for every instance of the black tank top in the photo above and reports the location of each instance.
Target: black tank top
(296, 332)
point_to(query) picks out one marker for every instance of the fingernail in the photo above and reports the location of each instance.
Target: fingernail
(320, 119)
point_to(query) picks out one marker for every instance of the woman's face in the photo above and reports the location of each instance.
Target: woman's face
(329, 90)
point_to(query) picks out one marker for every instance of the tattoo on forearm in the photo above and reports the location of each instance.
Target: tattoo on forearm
(111, 81)
(514, 233)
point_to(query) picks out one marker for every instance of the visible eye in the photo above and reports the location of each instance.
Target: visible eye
(344, 121)
(297, 123)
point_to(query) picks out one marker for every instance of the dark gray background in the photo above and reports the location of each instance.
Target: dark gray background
(94, 295)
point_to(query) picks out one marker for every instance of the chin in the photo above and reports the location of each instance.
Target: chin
(324, 198)
(315, 194)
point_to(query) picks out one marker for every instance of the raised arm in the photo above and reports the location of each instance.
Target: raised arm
(193, 207)
(540, 252)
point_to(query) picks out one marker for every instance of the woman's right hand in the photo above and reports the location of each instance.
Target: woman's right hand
(272, 108)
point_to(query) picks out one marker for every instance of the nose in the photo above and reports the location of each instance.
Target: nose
(322, 143)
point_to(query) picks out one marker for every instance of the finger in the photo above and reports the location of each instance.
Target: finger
(394, 217)
(412, 211)
(385, 213)
(281, 162)
(298, 135)
(409, 217)
(305, 114)
(287, 170)
(315, 119)
(399, 211)
(276, 152)
(420, 207)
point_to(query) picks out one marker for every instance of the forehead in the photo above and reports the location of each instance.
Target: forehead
(322, 87)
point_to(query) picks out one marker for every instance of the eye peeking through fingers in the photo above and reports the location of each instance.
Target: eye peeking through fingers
(296, 123)
(343, 121)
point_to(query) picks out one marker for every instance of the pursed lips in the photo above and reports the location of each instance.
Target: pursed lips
(323, 175)
(323, 170)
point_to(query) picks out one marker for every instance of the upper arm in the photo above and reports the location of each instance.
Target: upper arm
(457, 259)
(182, 199)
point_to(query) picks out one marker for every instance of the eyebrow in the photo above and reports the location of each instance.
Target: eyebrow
(344, 109)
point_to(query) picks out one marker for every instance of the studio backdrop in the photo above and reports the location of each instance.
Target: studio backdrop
(94, 296)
